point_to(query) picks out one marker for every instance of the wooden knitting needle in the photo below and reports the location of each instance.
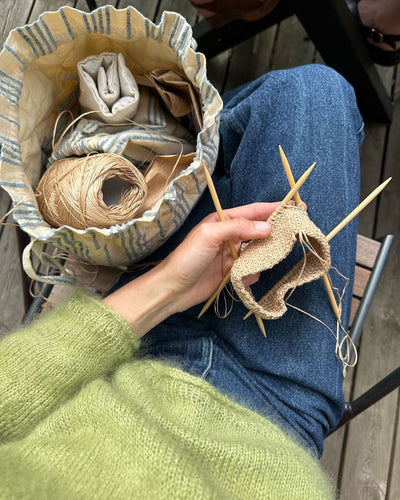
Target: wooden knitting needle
(218, 207)
(352, 214)
(289, 174)
(290, 194)
(358, 209)
(325, 279)
(298, 184)
(232, 248)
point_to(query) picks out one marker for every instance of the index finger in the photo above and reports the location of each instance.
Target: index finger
(254, 211)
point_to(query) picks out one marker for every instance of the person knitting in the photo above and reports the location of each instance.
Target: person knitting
(133, 396)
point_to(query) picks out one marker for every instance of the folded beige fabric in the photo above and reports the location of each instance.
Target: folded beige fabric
(289, 224)
(106, 85)
(179, 95)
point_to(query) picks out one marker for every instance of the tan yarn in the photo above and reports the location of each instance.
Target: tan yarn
(70, 192)
(289, 223)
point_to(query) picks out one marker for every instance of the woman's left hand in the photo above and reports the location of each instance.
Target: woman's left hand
(193, 271)
(198, 265)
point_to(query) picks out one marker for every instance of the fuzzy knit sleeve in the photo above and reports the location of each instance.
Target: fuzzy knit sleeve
(46, 363)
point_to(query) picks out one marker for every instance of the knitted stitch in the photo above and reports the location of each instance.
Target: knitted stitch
(82, 418)
(288, 224)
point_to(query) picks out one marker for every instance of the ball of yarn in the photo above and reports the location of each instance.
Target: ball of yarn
(71, 191)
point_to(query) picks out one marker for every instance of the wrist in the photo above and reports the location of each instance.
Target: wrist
(144, 302)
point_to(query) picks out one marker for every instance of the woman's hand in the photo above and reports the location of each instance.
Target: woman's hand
(198, 265)
(193, 271)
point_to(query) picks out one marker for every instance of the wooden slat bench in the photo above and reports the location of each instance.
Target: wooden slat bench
(370, 260)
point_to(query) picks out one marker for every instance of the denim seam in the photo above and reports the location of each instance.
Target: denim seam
(360, 129)
(233, 123)
(210, 358)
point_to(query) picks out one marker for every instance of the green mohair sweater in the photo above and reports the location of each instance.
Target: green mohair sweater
(82, 418)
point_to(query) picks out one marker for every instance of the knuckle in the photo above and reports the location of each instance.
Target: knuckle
(240, 222)
(204, 229)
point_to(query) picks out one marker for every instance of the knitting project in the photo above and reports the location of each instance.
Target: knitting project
(289, 224)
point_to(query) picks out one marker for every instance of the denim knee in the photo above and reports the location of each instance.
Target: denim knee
(314, 90)
(331, 92)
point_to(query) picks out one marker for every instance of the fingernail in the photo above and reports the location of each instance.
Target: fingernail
(262, 227)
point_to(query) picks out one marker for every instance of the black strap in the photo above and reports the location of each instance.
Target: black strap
(378, 37)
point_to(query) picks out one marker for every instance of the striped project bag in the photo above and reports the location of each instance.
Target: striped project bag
(38, 79)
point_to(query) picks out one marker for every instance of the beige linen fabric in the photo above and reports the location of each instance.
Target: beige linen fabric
(107, 86)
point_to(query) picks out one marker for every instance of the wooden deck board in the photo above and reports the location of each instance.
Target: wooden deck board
(11, 291)
(361, 458)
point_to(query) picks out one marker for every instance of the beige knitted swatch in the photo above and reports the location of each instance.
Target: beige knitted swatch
(289, 224)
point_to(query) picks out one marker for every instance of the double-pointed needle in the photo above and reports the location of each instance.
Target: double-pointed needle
(292, 182)
(290, 195)
(232, 248)
(345, 221)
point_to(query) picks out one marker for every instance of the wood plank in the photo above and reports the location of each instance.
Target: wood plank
(369, 464)
(387, 75)
(354, 306)
(82, 4)
(182, 6)
(146, 7)
(372, 152)
(11, 292)
(366, 478)
(12, 307)
(335, 32)
(394, 484)
(371, 158)
(293, 46)
(12, 15)
(367, 250)
(371, 155)
(217, 68)
(389, 221)
(360, 281)
(41, 6)
(257, 52)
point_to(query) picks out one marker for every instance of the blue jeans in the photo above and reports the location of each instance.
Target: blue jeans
(292, 377)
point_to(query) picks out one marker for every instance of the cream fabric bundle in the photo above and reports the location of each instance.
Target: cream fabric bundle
(289, 224)
(154, 132)
(107, 86)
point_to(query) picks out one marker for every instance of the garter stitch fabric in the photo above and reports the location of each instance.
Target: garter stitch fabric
(82, 417)
(288, 223)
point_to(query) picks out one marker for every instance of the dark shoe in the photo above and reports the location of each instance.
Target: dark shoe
(379, 55)
(220, 12)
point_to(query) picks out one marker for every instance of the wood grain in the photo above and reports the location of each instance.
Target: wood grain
(394, 476)
(368, 464)
(367, 251)
(257, 52)
(12, 15)
(147, 7)
(292, 47)
(182, 6)
(360, 281)
(41, 6)
(11, 291)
